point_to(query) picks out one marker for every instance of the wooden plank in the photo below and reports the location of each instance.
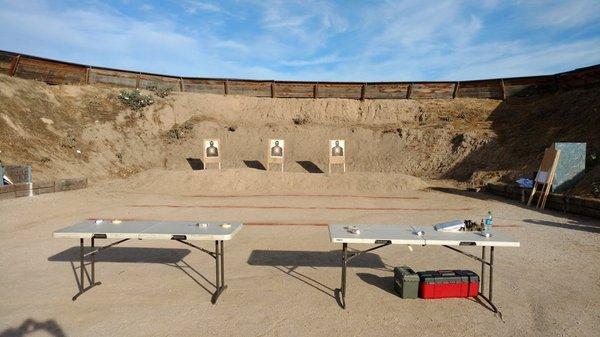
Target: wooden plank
(113, 78)
(50, 72)
(246, 88)
(204, 86)
(386, 90)
(6, 61)
(522, 87)
(431, 90)
(146, 81)
(480, 89)
(294, 90)
(579, 78)
(334, 90)
(70, 184)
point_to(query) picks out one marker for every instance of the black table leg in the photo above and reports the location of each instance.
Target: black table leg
(219, 270)
(82, 287)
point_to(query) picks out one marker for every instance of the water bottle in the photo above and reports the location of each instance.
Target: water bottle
(489, 221)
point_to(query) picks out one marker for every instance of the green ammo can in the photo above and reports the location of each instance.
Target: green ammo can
(406, 282)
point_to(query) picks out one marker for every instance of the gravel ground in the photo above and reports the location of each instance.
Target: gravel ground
(281, 269)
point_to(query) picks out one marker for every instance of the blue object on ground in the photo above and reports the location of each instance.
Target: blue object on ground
(525, 183)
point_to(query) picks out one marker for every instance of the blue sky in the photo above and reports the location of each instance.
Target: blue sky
(311, 40)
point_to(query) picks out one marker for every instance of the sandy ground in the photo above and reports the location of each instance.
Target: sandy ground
(282, 270)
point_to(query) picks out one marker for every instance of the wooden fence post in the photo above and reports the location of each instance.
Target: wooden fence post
(272, 89)
(316, 90)
(14, 66)
(87, 75)
(181, 84)
(503, 89)
(455, 91)
(226, 87)
(137, 80)
(409, 91)
(363, 91)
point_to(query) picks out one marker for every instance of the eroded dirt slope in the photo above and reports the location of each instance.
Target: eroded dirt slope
(464, 139)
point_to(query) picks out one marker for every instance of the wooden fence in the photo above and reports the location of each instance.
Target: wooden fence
(58, 72)
(36, 188)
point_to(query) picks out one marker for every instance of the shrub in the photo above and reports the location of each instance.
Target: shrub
(179, 131)
(158, 91)
(300, 120)
(596, 189)
(135, 100)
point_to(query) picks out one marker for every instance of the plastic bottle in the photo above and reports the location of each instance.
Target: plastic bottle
(489, 221)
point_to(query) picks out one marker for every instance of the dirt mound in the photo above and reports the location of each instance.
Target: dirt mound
(66, 131)
(251, 181)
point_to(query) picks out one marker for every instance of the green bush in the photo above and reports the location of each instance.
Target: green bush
(135, 100)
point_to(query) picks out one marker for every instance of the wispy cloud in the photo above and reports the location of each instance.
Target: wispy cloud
(565, 14)
(312, 39)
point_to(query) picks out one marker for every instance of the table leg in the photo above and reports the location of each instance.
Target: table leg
(81, 266)
(491, 273)
(482, 269)
(344, 265)
(82, 287)
(219, 270)
(93, 259)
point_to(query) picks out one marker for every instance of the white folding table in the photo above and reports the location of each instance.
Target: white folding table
(387, 234)
(182, 231)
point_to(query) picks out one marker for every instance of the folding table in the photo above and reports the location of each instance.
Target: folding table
(182, 231)
(387, 234)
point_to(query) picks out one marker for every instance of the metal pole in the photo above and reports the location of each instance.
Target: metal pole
(491, 271)
(217, 262)
(222, 264)
(93, 258)
(81, 264)
(344, 257)
(482, 270)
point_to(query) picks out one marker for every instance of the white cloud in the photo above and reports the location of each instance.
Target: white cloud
(566, 14)
(194, 6)
(313, 40)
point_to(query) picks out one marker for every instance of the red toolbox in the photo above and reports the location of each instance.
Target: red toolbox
(448, 283)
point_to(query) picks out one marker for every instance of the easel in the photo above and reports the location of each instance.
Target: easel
(341, 160)
(211, 160)
(545, 176)
(275, 160)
